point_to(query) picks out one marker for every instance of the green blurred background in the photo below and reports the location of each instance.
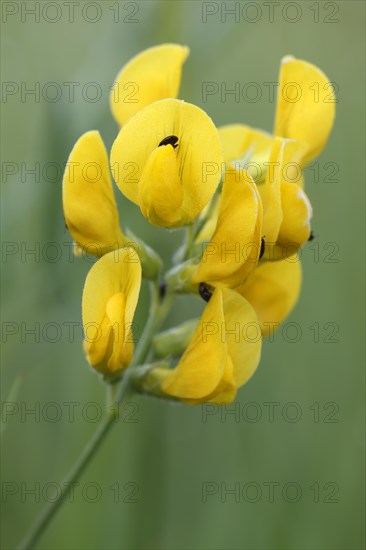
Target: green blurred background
(171, 452)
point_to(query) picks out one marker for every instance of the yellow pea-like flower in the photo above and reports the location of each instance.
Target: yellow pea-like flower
(273, 290)
(151, 75)
(167, 159)
(234, 249)
(109, 301)
(89, 204)
(305, 106)
(223, 354)
(305, 112)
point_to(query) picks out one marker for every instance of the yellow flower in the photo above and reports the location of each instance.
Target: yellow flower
(223, 354)
(234, 249)
(151, 75)
(88, 200)
(305, 112)
(273, 290)
(109, 301)
(167, 160)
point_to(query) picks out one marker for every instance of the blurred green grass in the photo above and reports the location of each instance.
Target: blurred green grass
(170, 451)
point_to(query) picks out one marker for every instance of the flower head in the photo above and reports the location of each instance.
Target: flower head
(170, 160)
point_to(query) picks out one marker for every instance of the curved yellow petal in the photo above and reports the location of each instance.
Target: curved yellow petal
(292, 169)
(198, 158)
(201, 368)
(273, 289)
(109, 301)
(287, 209)
(239, 139)
(151, 75)
(305, 105)
(225, 391)
(270, 192)
(243, 335)
(160, 188)
(297, 212)
(88, 200)
(233, 251)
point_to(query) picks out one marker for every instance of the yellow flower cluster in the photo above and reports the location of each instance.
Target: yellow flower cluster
(240, 194)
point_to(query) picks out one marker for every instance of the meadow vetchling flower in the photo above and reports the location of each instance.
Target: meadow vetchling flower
(109, 301)
(89, 205)
(222, 355)
(167, 159)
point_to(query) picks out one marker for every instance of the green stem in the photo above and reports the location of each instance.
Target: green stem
(76, 471)
(190, 236)
(157, 314)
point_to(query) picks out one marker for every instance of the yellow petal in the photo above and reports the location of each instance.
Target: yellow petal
(160, 188)
(243, 335)
(151, 75)
(239, 139)
(198, 158)
(234, 249)
(270, 192)
(225, 392)
(305, 105)
(297, 213)
(121, 352)
(293, 153)
(273, 289)
(109, 301)
(88, 200)
(202, 366)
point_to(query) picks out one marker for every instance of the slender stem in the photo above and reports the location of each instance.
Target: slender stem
(76, 471)
(200, 223)
(190, 235)
(157, 314)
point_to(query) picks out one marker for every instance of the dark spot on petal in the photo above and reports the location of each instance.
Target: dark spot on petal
(169, 140)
